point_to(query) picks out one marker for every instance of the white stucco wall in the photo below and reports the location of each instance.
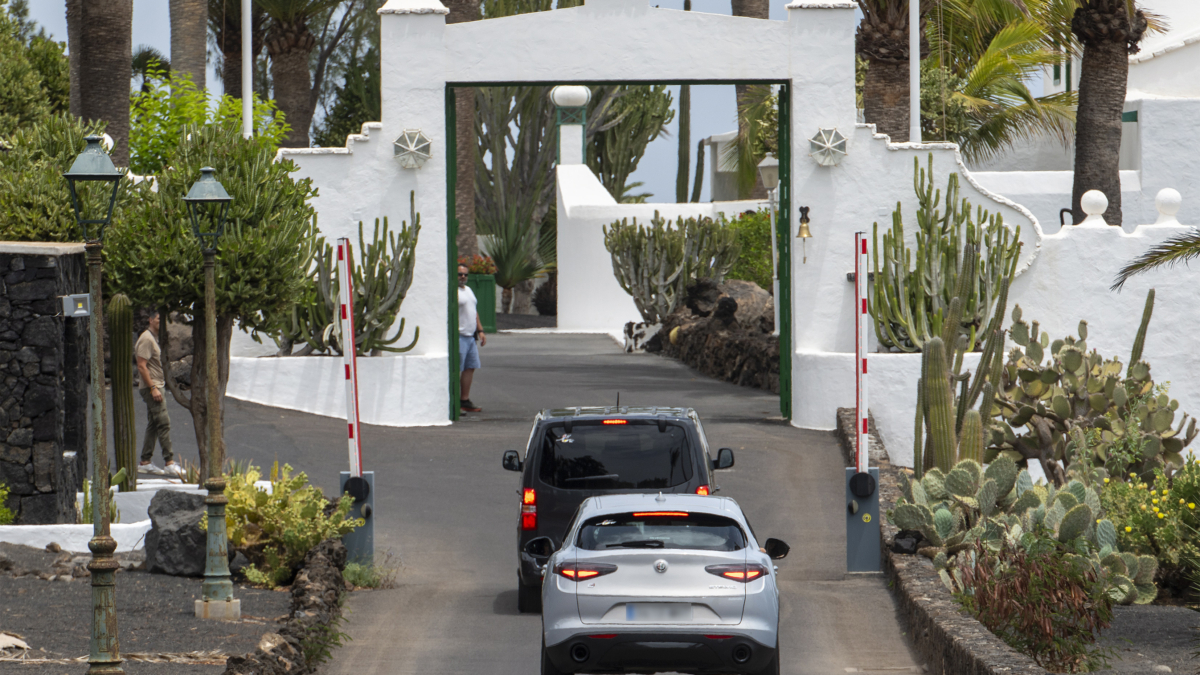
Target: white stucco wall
(1068, 282)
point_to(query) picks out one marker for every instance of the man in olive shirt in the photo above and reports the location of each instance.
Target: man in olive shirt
(153, 387)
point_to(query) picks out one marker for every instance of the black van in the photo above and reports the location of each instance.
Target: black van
(576, 453)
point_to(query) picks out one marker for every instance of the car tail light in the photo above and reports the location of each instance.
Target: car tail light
(615, 422)
(745, 573)
(528, 509)
(581, 571)
(654, 514)
(702, 490)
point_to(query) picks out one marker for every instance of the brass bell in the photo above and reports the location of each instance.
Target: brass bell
(804, 232)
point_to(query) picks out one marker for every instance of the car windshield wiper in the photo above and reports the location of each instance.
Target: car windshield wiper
(579, 478)
(639, 543)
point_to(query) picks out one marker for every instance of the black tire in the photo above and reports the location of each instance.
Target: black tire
(529, 598)
(773, 665)
(548, 667)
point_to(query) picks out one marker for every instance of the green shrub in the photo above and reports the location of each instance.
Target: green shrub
(276, 530)
(753, 234)
(6, 515)
(1160, 519)
(380, 574)
(1036, 597)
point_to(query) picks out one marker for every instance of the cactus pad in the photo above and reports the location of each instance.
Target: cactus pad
(1074, 523)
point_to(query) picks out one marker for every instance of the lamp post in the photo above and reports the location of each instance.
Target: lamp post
(93, 165)
(768, 170)
(208, 205)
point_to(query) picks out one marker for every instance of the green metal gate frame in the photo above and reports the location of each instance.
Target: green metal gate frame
(783, 225)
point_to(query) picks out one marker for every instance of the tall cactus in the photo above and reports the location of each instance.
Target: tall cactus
(939, 404)
(1140, 341)
(912, 291)
(120, 340)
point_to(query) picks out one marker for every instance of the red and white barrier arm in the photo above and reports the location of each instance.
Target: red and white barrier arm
(349, 353)
(861, 331)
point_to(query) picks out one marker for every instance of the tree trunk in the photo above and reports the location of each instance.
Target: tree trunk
(886, 98)
(289, 45)
(199, 398)
(1102, 83)
(74, 29)
(754, 9)
(101, 67)
(189, 33)
(464, 115)
(521, 297)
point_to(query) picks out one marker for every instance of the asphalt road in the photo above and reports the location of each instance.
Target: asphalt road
(447, 510)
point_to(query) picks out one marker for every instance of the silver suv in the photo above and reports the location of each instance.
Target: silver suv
(648, 583)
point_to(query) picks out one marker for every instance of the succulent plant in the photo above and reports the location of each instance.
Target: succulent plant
(120, 340)
(911, 299)
(1077, 399)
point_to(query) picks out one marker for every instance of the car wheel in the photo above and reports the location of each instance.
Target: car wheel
(547, 665)
(529, 598)
(773, 665)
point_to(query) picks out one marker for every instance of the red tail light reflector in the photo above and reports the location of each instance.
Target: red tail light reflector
(741, 573)
(652, 514)
(581, 571)
(528, 509)
(718, 637)
(702, 490)
(605, 636)
(615, 422)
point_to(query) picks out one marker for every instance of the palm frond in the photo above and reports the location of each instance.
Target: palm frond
(1180, 248)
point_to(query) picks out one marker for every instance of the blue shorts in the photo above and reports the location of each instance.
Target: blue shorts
(468, 352)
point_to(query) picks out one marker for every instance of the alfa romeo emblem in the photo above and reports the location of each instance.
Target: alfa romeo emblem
(660, 566)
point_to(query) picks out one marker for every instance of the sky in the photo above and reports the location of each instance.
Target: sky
(714, 110)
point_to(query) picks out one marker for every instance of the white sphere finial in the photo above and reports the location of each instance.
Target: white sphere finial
(1168, 202)
(1094, 203)
(570, 96)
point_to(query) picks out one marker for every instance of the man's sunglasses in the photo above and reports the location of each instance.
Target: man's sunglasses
(461, 275)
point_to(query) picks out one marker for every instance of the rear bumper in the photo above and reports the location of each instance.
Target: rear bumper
(716, 653)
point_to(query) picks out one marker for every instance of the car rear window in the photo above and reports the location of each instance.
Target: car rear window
(676, 530)
(632, 455)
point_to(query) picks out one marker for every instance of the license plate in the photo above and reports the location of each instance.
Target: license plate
(659, 612)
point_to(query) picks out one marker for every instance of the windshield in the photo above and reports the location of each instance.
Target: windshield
(695, 531)
(631, 455)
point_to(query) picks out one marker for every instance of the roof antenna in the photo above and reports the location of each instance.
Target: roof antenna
(660, 498)
(618, 399)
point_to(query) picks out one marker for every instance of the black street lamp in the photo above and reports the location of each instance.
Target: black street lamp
(91, 166)
(208, 205)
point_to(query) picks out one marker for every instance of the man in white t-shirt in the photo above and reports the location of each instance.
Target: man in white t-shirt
(470, 329)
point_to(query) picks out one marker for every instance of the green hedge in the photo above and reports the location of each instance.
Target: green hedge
(754, 235)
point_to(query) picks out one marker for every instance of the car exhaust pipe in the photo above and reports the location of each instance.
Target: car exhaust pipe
(580, 653)
(742, 653)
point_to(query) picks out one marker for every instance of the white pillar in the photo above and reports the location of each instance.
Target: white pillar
(247, 70)
(570, 144)
(571, 117)
(914, 71)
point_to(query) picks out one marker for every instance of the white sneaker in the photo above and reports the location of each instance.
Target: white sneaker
(174, 470)
(151, 468)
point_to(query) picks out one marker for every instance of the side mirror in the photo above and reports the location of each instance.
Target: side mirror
(511, 460)
(541, 548)
(776, 550)
(724, 459)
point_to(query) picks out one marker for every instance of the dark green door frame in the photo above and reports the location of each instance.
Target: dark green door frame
(783, 224)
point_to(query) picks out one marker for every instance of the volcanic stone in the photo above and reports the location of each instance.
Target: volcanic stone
(175, 544)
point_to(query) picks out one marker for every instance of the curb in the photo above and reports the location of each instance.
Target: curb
(946, 637)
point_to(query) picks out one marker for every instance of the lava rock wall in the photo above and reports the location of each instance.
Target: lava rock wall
(43, 381)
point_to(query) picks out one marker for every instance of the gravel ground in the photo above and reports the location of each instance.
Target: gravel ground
(1149, 637)
(154, 614)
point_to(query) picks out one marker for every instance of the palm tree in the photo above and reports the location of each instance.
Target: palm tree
(464, 117)
(983, 53)
(1182, 248)
(188, 37)
(290, 44)
(882, 40)
(1109, 31)
(101, 66)
(148, 62)
(754, 9)
(225, 22)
